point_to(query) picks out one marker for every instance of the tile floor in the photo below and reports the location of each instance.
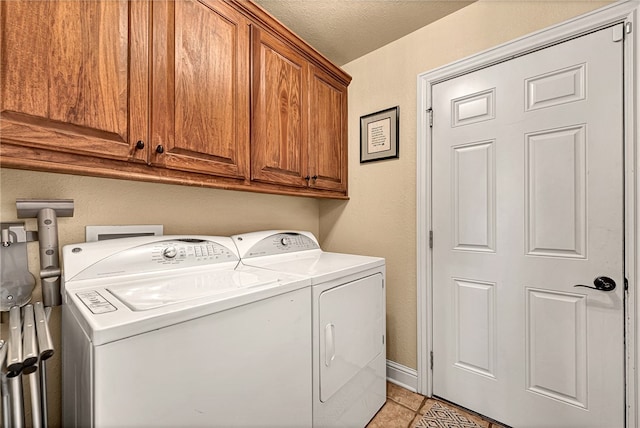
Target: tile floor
(405, 409)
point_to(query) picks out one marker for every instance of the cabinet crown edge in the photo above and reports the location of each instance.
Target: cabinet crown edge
(260, 16)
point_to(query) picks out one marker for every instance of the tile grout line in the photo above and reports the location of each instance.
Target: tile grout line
(417, 412)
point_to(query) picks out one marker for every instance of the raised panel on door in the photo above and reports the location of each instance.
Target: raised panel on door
(556, 192)
(279, 132)
(327, 132)
(474, 314)
(75, 75)
(556, 347)
(200, 108)
(473, 195)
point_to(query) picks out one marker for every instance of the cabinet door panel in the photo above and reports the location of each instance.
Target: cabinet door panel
(75, 75)
(201, 76)
(328, 132)
(278, 152)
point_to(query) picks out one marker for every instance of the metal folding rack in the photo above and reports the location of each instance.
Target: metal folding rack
(29, 344)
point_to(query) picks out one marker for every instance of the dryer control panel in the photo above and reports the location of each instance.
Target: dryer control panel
(259, 244)
(159, 255)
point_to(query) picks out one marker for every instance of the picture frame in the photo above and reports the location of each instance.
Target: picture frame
(379, 137)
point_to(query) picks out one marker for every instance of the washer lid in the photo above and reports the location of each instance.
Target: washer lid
(113, 310)
(319, 265)
(299, 253)
(157, 292)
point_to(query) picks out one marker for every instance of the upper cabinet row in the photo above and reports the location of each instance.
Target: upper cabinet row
(202, 92)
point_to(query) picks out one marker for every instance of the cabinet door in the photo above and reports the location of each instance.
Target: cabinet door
(75, 75)
(278, 145)
(327, 132)
(200, 106)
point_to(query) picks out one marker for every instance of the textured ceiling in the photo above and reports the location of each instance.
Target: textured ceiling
(344, 30)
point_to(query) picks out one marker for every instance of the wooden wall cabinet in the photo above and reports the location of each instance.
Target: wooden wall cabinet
(75, 76)
(280, 99)
(299, 119)
(88, 90)
(200, 88)
(327, 132)
(161, 91)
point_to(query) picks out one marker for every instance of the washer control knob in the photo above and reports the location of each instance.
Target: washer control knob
(285, 241)
(169, 252)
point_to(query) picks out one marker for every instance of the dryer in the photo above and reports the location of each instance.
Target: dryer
(348, 311)
(171, 331)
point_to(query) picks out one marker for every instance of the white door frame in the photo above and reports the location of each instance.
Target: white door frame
(626, 11)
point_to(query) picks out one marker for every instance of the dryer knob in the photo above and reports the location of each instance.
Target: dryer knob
(285, 241)
(169, 252)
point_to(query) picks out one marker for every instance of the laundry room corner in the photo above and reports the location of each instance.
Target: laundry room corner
(372, 209)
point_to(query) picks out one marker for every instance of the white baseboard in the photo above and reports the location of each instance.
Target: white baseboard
(402, 376)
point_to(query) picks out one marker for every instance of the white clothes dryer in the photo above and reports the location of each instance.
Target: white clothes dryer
(348, 297)
(169, 331)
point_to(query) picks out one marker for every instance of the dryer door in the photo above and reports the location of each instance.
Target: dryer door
(351, 331)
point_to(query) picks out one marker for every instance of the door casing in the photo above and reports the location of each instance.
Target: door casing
(626, 12)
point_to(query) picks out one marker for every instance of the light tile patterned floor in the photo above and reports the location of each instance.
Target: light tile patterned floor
(406, 409)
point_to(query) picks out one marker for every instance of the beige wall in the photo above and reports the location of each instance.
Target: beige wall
(380, 218)
(181, 209)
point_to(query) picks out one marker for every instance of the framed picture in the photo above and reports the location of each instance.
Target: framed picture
(379, 135)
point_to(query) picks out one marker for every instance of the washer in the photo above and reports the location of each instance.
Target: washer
(348, 310)
(171, 331)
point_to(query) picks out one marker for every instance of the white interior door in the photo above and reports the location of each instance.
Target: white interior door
(527, 203)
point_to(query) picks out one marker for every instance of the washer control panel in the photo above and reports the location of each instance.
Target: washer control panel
(278, 243)
(190, 253)
(95, 302)
(155, 256)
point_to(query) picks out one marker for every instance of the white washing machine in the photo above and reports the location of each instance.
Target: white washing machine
(348, 298)
(168, 331)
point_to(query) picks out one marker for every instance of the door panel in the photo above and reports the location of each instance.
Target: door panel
(528, 202)
(556, 336)
(475, 325)
(556, 192)
(474, 196)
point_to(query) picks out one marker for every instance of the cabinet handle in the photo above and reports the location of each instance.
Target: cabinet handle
(307, 178)
(160, 149)
(140, 145)
(314, 178)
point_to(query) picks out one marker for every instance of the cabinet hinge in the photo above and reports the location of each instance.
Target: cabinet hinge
(628, 27)
(626, 284)
(430, 113)
(431, 364)
(431, 239)
(383, 339)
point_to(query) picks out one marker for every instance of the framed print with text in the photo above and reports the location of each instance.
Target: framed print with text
(379, 135)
